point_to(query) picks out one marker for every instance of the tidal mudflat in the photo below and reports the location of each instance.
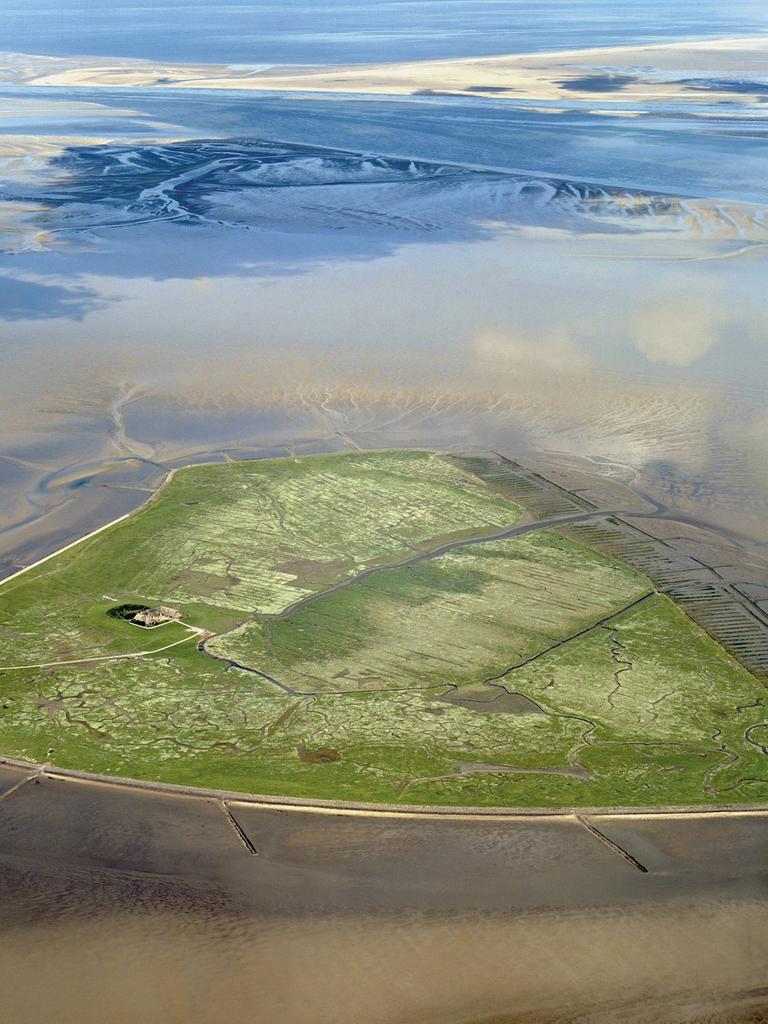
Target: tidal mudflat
(529, 280)
(135, 900)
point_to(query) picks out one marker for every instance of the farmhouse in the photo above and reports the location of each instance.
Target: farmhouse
(156, 616)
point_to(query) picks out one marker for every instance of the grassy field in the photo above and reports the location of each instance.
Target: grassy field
(223, 542)
(531, 671)
(456, 619)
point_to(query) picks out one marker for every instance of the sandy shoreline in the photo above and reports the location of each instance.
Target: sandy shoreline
(608, 73)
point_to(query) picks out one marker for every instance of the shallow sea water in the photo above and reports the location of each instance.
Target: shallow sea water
(196, 275)
(337, 31)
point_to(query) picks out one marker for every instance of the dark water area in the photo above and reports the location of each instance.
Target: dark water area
(342, 31)
(680, 155)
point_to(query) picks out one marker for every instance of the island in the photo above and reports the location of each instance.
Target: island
(398, 627)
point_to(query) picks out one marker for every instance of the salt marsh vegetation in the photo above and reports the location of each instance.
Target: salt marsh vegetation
(377, 626)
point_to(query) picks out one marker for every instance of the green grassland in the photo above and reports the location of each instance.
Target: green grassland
(530, 671)
(222, 542)
(456, 619)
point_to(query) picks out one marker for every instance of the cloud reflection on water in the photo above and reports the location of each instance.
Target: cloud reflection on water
(22, 299)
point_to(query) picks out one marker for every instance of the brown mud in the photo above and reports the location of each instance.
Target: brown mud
(258, 913)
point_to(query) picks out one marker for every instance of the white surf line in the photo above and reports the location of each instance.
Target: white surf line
(67, 547)
(93, 533)
(196, 631)
(721, 43)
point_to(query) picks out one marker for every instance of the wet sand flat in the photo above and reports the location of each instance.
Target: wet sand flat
(729, 848)
(382, 862)
(10, 778)
(383, 919)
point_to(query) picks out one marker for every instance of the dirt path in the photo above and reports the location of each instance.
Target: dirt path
(194, 632)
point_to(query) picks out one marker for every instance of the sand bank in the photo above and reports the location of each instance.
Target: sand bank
(691, 72)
